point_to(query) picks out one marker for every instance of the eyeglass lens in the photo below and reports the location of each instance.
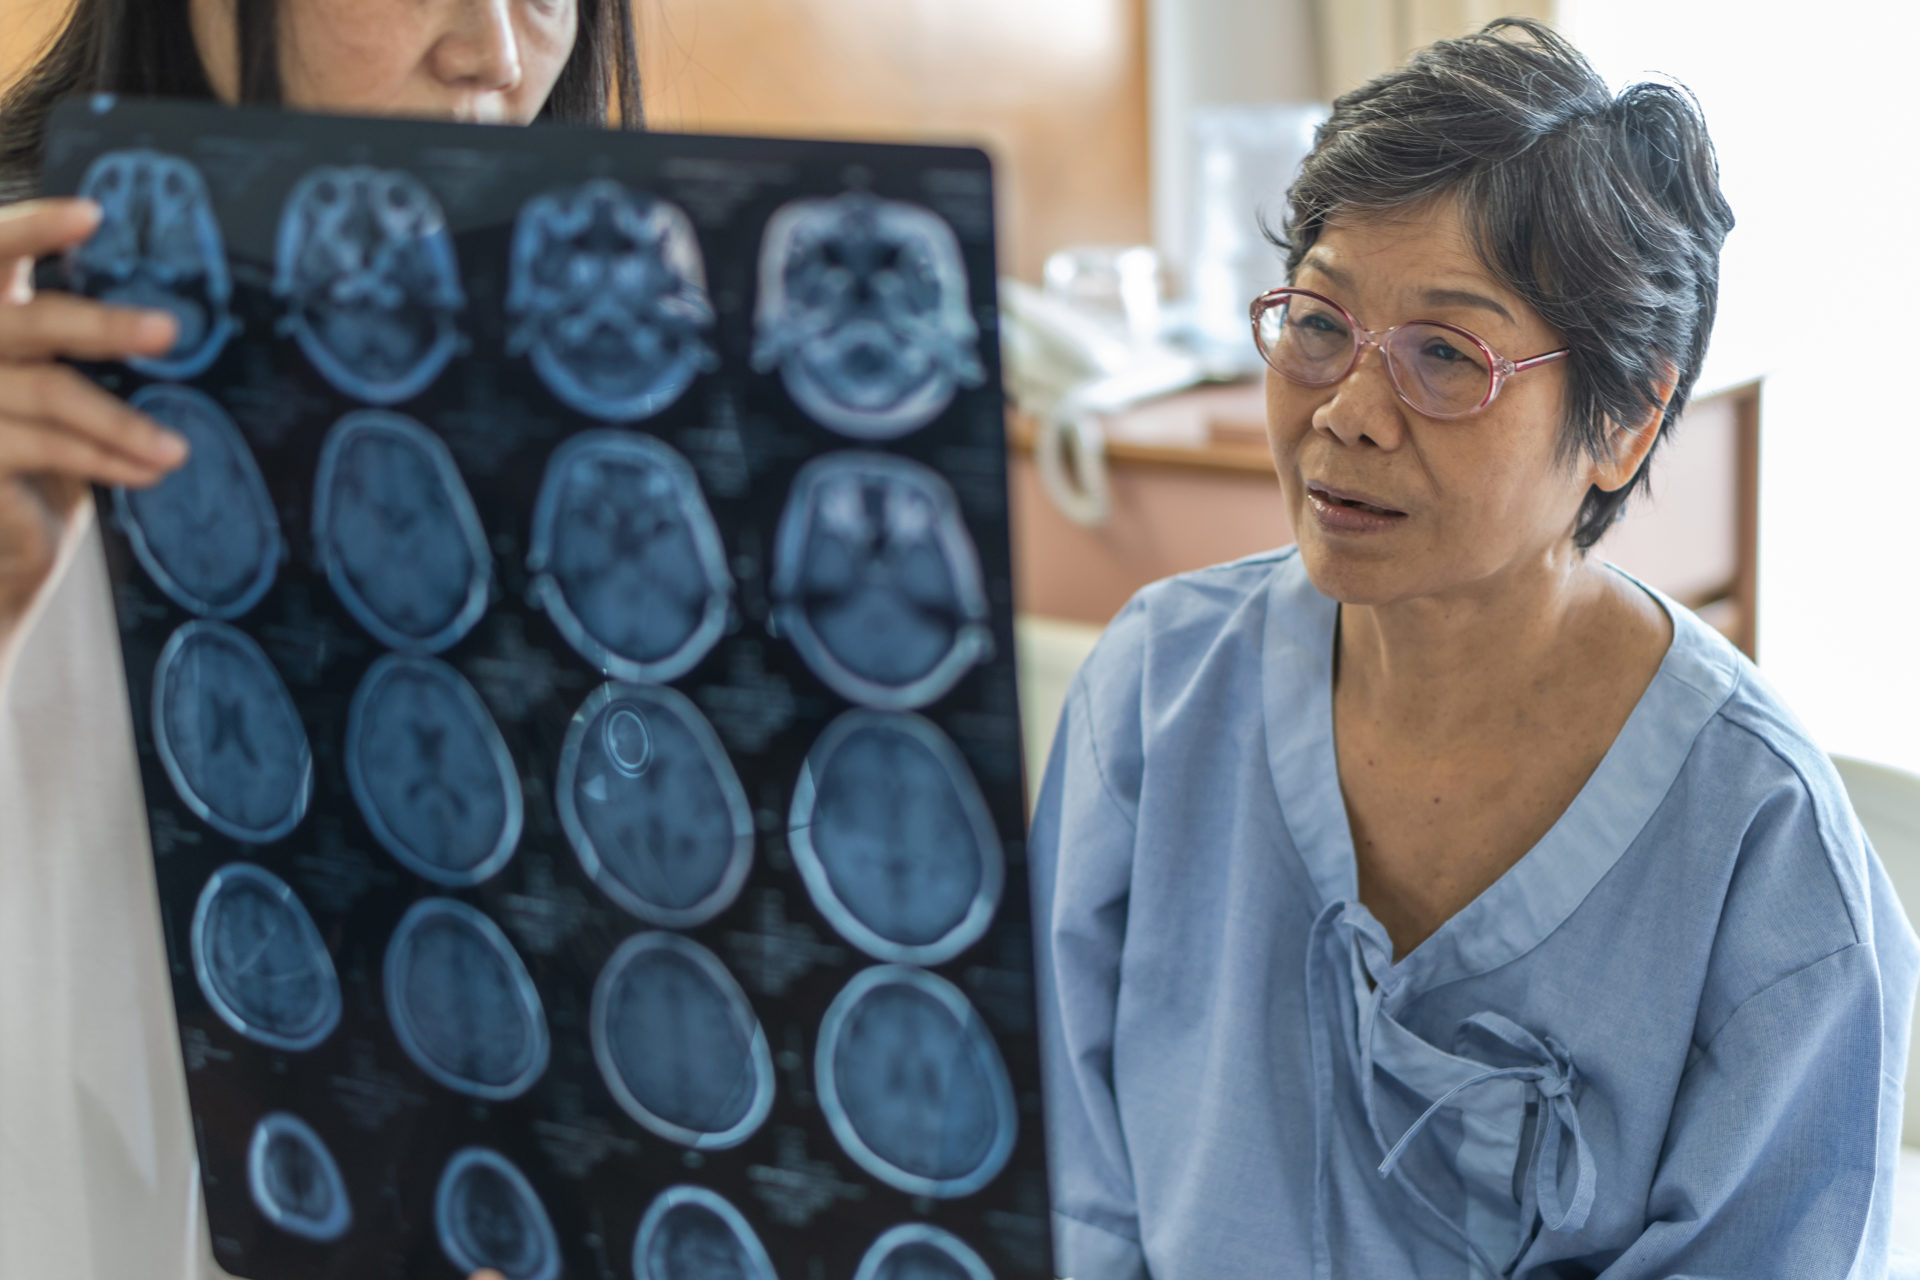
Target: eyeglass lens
(1438, 370)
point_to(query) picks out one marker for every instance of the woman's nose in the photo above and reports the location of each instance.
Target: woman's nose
(480, 49)
(1364, 406)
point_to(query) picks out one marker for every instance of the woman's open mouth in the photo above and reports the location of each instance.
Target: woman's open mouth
(1350, 501)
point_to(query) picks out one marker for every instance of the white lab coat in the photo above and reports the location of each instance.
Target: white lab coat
(98, 1178)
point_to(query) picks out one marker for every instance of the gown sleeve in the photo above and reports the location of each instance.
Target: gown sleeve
(1780, 1155)
(1081, 851)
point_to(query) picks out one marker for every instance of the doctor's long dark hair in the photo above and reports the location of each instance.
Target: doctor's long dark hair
(145, 48)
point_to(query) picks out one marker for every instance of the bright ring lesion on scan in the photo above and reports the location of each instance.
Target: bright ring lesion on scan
(488, 1216)
(608, 299)
(863, 308)
(652, 805)
(158, 245)
(462, 1003)
(678, 1043)
(228, 734)
(261, 962)
(876, 582)
(431, 773)
(397, 533)
(913, 1085)
(626, 557)
(295, 1181)
(207, 534)
(691, 1233)
(365, 268)
(894, 840)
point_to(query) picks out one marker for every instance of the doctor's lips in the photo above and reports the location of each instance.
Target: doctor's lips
(1350, 499)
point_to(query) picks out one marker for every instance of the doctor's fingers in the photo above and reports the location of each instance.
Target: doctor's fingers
(34, 229)
(32, 449)
(56, 325)
(56, 399)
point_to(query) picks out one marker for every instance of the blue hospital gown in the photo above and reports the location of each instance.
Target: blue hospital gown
(1668, 1042)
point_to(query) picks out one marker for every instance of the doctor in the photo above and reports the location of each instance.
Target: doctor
(97, 1176)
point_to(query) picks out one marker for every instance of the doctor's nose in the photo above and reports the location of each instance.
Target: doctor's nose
(480, 51)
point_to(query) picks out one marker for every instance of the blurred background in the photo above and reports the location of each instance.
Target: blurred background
(1137, 139)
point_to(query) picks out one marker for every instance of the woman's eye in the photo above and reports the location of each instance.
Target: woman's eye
(1444, 352)
(1320, 324)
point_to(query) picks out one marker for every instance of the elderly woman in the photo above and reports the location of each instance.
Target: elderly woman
(1430, 899)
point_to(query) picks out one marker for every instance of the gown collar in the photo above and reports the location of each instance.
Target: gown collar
(1537, 894)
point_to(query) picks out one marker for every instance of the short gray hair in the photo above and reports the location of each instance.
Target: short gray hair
(1602, 212)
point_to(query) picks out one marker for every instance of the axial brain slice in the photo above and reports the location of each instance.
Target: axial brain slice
(398, 533)
(366, 269)
(863, 307)
(627, 558)
(260, 961)
(487, 1215)
(158, 245)
(462, 1003)
(228, 735)
(916, 1251)
(913, 1085)
(430, 771)
(679, 1045)
(876, 581)
(690, 1233)
(207, 533)
(652, 806)
(609, 299)
(894, 840)
(295, 1182)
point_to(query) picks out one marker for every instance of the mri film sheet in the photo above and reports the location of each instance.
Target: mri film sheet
(572, 683)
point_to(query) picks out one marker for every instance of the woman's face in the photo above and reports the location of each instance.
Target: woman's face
(488, 61)
(1478, 497)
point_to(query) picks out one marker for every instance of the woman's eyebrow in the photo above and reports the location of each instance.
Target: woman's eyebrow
(1464, 298)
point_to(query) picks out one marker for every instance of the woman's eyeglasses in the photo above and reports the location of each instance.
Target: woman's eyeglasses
(1441, 370)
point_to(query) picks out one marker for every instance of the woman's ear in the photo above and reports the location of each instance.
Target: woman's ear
(1630, 442)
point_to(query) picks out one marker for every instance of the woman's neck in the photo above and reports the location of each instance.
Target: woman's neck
(1486, 661)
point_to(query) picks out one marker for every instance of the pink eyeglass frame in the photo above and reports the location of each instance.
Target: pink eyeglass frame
(1499, 368)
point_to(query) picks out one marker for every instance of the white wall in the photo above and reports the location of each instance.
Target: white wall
(1814, 109)
(1214, 53)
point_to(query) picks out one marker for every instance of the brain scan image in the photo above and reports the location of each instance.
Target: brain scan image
(487, 1214)
(652, 806)
(894, 839)
(690, 1233)
(158, 245)
(462, 1003)
(679, 1045)
(876, 582)
(626, 558)
(295, 1182)
(917, 1251)
(863, 308)
(260, 960)
(206, 534)
(430, 772)
(609, 300)
(397, 532)
(912, 1083)
(228, 735)
(365, 268)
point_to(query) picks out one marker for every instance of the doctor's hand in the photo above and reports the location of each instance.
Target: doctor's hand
(60, 433)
